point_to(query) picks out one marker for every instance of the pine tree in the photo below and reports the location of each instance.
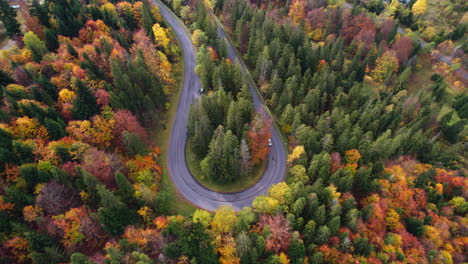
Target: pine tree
(89, 184)
(124, 187)
(71, 50)
(41, 12)
(51, 39)
(8, 17)
(108, 199)
(212, 166)
(296, 250)
(67, 14)
(54, 129)
(147, 17)
(49, 87)
(246, 160)
(85, 105)
(114, 214)
(133, 144)
(231, 157)
(200, 129)
(5, 78)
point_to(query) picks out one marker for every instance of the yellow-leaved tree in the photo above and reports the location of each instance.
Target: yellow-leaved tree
(224, 220)
(296, 11)
(265, 204)
(296, 154)
(386, 65)
(160, 36)
(283, 258)
(226, 247)
(280, 192)
(419, 7)
(208, 5)
(201, 216)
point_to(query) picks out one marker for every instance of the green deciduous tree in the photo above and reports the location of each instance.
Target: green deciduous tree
(35, 45)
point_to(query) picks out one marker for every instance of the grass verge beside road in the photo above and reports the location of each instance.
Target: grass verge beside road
(178, 203)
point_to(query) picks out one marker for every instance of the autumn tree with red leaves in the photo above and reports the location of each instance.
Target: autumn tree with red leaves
(102, 165)
(280, 232)
(56, 198)
(403, 48)
(258, 136)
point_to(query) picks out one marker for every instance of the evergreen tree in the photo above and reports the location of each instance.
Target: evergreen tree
(114, 214)
(85, 105)
(191, 241)
(68, 16)
(212, 166)
(200, 129)
(133, 144)
(245, 158)
(108, 199)
(124, 187)
(147, 17)
(8, 17)
(41, 12)
(88, 183)
(137, 89)
(79, 258)
(5, 79)
(71, 50)
(296, 250)
(51, 39)
(55, 130)
(222, 162)
(49, 88)
(231, 157)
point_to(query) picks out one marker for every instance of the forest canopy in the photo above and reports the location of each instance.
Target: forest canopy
(376, 171)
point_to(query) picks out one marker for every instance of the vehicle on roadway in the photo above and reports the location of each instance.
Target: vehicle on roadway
(269, 142)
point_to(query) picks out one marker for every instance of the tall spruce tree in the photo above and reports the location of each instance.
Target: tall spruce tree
(8, 17)
(85, 105)
(147, 17)
(200, 129)
(41, 12)
(68, 16)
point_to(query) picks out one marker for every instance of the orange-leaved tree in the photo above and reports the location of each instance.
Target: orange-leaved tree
(258, 136)
(297, 11)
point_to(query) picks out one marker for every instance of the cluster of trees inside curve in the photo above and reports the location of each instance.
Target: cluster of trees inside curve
(226, 133)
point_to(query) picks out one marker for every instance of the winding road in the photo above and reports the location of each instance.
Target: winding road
(178, 170)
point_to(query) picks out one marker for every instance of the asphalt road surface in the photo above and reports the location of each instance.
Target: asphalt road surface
(180, 174)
